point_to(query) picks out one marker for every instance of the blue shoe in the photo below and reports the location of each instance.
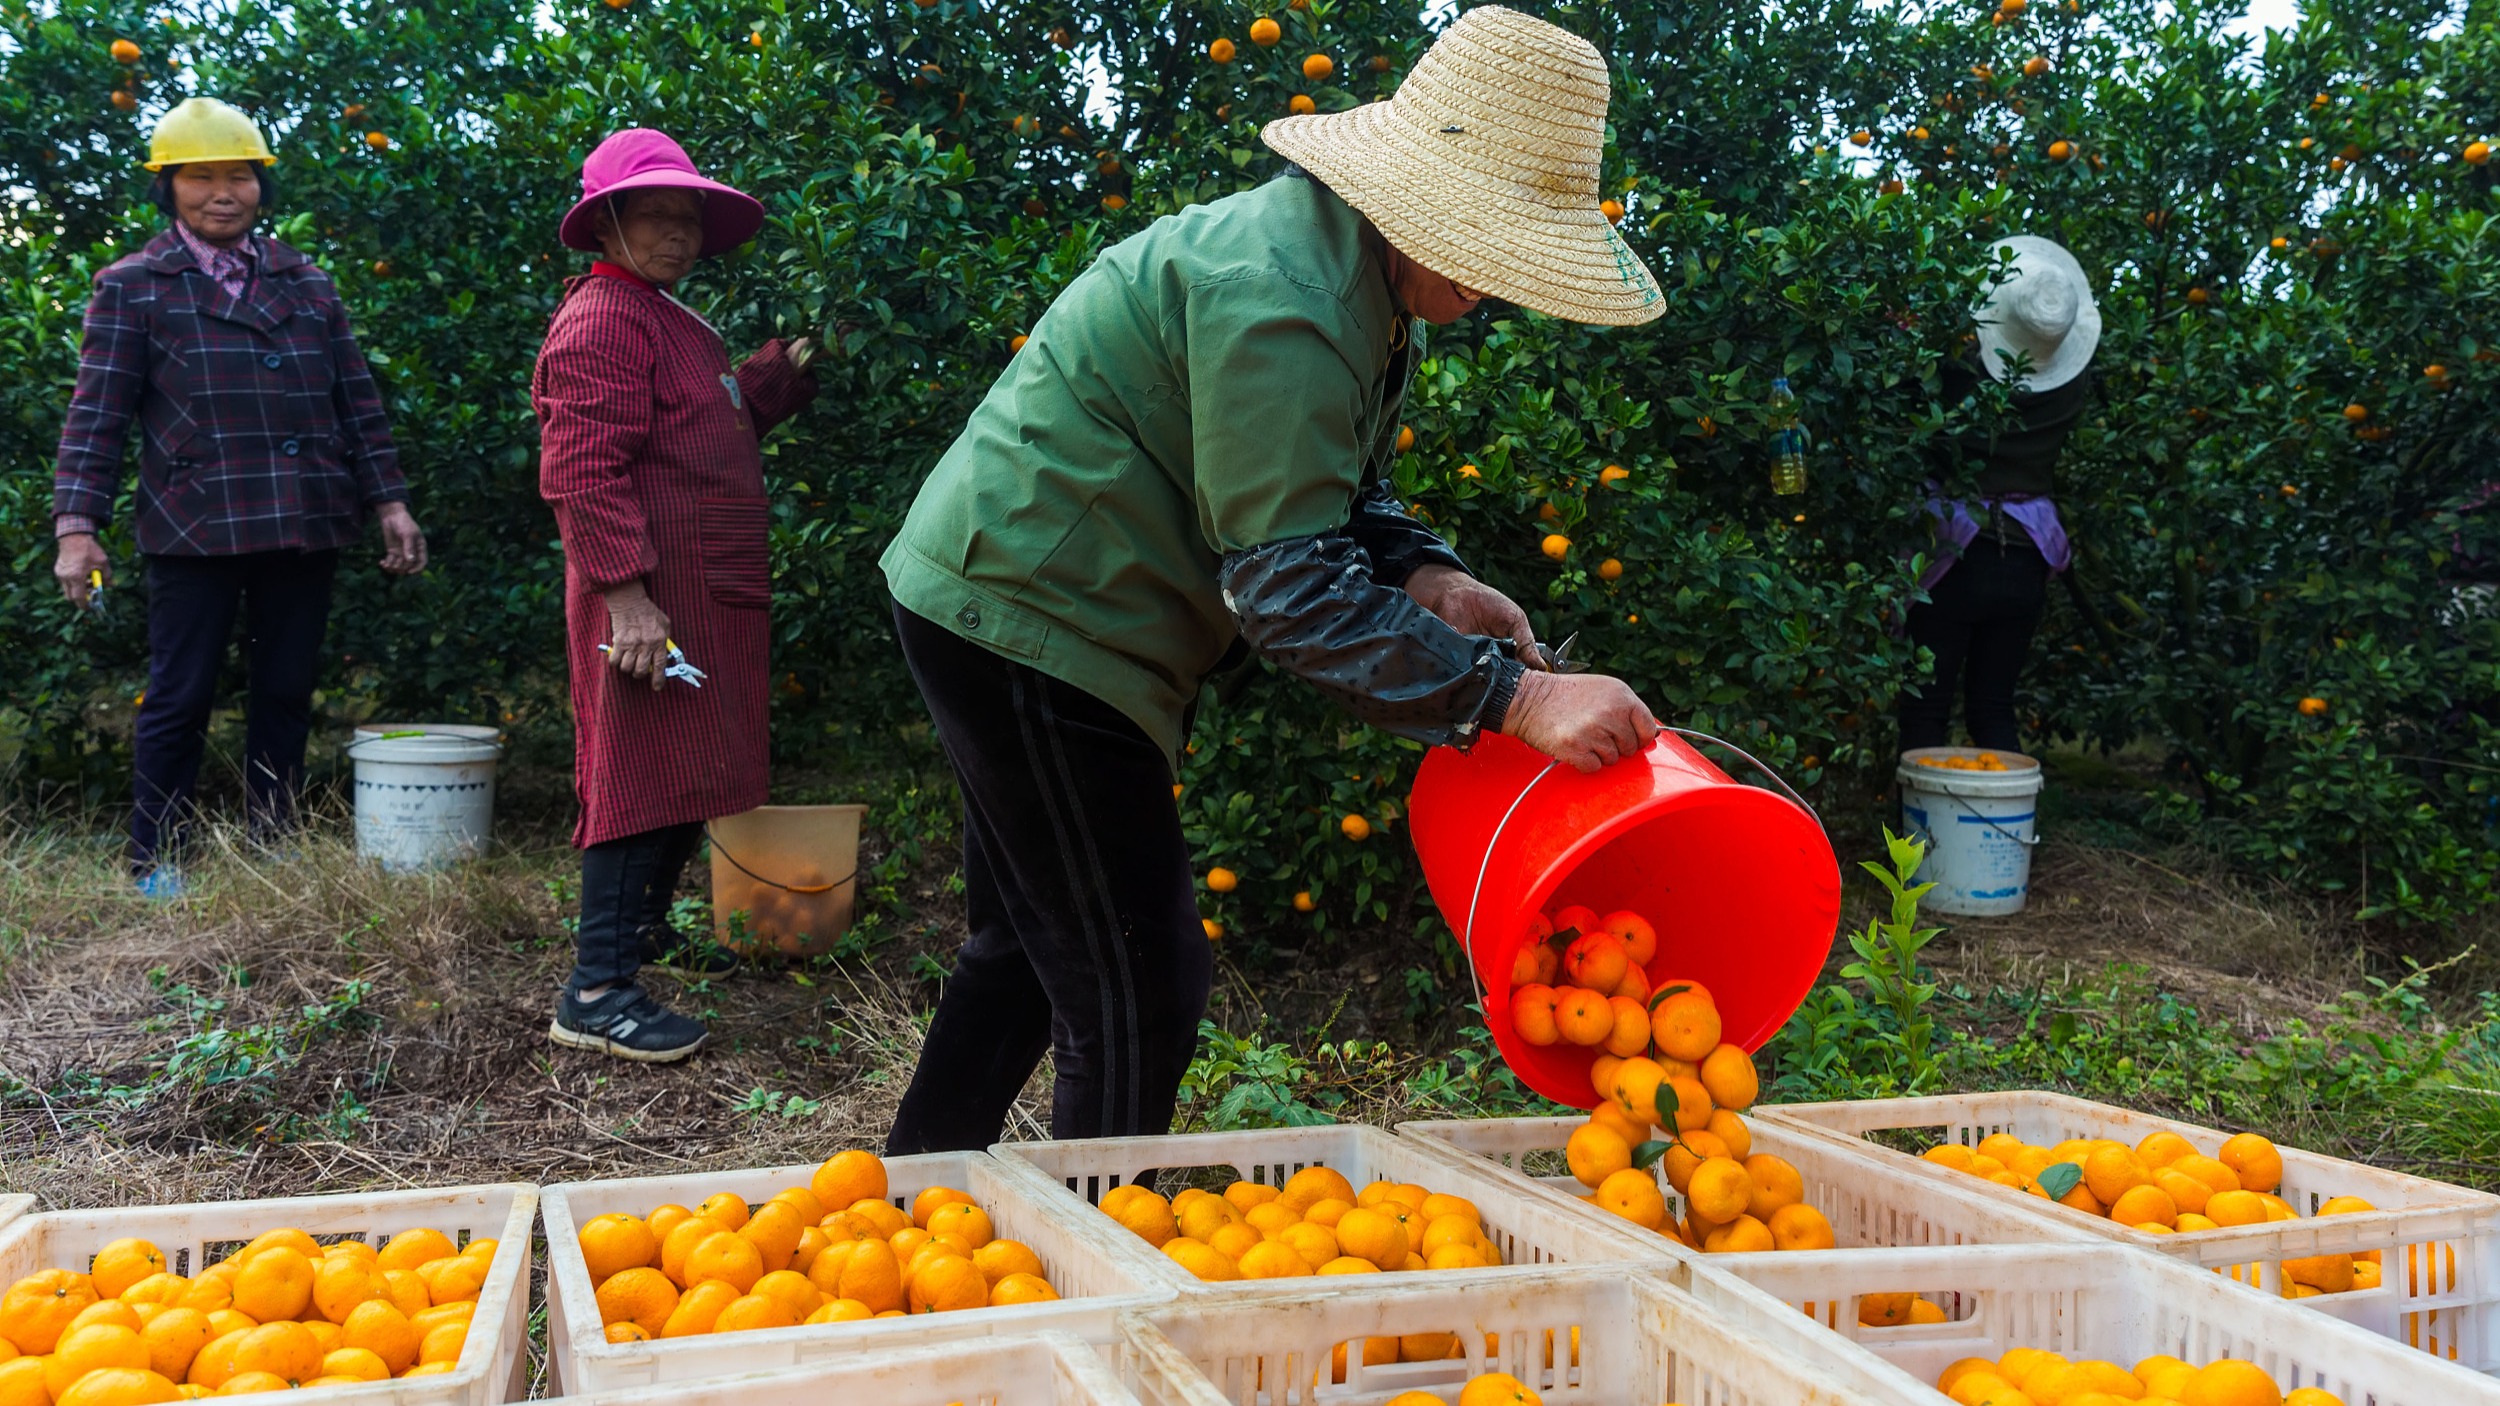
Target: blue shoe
(625, 1022)
(163, 884)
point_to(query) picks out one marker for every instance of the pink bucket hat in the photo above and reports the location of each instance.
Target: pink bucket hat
(640, 158)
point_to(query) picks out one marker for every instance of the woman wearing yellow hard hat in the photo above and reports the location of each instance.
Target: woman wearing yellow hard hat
(263, 445)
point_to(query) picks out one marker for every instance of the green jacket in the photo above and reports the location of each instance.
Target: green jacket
(1229, 377)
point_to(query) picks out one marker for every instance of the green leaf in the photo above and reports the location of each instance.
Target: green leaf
(1664, 992)
(2059, 1178)
(1667, 1102)
(1647, 1154)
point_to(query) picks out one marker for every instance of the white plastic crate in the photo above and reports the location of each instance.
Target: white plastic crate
(1093, 1286)
(492, 1364)
(2439, 1244)
(1044, 1369)
(1528, 1229)
(1870, 1203)
(1583, 1336)
(11, 1207)
(2082, 1300)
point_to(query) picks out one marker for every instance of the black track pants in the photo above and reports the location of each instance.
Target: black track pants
(1979, 619)
(1084, 925)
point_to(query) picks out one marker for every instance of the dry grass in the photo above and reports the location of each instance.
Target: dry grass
(2199, 930)
(441, 1074)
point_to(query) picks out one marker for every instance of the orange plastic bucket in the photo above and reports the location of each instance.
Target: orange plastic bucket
(1741, 883)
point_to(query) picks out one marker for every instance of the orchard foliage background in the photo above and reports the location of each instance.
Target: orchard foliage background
(2285, 235)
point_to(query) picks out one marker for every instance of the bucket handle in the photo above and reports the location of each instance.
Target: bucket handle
(801, 889)
(1467, 935)
(1776, 779)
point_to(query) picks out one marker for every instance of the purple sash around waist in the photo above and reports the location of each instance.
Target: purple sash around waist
(1956, 529)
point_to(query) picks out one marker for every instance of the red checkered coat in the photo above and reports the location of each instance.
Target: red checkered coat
(262, 429)
(648, 452)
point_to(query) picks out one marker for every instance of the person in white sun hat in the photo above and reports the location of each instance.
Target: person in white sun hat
(1185, 469)
(1993, 497)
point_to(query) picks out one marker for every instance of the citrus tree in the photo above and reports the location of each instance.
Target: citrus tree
(2286, 236)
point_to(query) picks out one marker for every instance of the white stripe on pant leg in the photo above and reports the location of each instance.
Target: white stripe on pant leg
(1132, 1026)
(1019, 697)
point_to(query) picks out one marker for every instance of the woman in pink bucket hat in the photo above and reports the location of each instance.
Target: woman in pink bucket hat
(649, 455)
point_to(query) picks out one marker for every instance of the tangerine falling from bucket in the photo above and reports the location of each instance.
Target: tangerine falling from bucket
(1741, 883)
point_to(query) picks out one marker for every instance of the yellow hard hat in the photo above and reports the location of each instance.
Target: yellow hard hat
(204, 129)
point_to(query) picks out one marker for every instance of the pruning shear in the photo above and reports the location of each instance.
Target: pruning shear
(1554, 660)
(677, 668)
(95, 591)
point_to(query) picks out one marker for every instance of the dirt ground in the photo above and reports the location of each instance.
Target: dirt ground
(439, 1071)
(305, 1023)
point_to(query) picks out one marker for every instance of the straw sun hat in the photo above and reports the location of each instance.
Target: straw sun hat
(2043, 310)
(1484, 166)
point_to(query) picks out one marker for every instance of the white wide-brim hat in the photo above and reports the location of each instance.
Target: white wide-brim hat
(2043, 310)
(1483, 168)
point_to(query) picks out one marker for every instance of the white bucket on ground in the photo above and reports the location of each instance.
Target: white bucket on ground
(1979, 827)
(425, 794)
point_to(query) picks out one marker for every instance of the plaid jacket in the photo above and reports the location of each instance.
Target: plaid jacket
(263, 428)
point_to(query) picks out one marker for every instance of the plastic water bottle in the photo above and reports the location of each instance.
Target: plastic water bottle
(1788, 442)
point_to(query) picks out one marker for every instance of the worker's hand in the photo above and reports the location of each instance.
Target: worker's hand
(1587, 720)
(403, 542)
(800, 353)
(74, 558)
(637, 635)
(1469, 606)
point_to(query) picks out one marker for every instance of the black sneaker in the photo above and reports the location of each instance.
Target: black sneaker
(689, 956)
(626, 1023)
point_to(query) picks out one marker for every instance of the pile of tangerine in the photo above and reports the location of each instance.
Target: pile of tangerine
(1985, 761)
(833, 1251)
(1682, 1115)
(1316, 1223)
(283, 1312)
(2027, 1376)
(2164, 1186)
(1604, 1000)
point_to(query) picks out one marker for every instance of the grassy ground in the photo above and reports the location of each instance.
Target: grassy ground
(306, 1022)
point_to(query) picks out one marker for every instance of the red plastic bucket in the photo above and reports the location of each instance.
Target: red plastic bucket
(1741, 883)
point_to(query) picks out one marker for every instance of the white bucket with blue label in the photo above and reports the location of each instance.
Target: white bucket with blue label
(425, 795)
(1978, 811)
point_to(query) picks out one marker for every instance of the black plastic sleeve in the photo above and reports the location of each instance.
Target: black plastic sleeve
(1312, 606)
(1396, 542)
